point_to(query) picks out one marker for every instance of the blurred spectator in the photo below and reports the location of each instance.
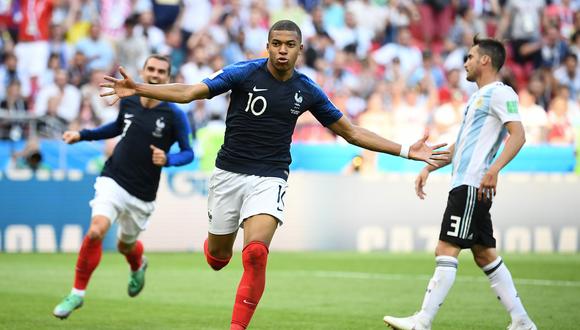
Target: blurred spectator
(105, 112)
(408, 54)
(569, 75)
(58, 45)
(292, 11)
(534, 118)
(400, 14)
(560, 130)
(451, 87)
(30, 157)
(173, 49)
(32, 48)
(554, 48)
(436, 20)
(333, 14)
(132, 49)
(87, 117)
(51, 125)
(575, 43)
(537, 87)
(195, 16)
(80, 15)
(561, 14)
(521, 23)
(196, 68)
(113, 14)
(447, 119)
(410, 115)
(360, 9)
(427, 69)
(65, 99)
(465, 23)
(353, 35)
(12, 107)
(98, 51)
(78, 73)
(166, 13)
(255, 34)
(54, 65)
(9, 72)
(154, 36)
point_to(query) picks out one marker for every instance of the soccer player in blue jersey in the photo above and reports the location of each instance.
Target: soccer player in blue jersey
(126, 189)
(490, 113)
(248, 187)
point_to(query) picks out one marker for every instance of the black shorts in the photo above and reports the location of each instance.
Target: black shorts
(467, 221)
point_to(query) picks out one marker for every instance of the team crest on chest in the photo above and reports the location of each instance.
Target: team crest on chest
(159, 126)
(295, 110)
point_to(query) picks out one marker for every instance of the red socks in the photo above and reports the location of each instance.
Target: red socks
(214, 262)
(251, 287)
(88, 259)
(135, 256)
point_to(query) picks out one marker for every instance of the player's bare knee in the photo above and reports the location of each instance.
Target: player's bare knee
(95, 233)
(220, 253)
(255, 255)
(483, 259)
(125, 248)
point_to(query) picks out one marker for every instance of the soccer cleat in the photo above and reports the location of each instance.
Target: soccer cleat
(522, 324)
(407, 323)
(137, 279)
(67, 306)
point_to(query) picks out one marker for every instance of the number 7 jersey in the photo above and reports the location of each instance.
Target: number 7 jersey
(262, 115)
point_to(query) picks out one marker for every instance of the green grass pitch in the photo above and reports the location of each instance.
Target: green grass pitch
(304, 291)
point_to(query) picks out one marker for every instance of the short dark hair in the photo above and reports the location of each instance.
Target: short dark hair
(161, 58)
(492, 48)
(285, 25)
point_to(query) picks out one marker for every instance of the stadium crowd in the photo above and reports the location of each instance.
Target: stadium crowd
(392, 66)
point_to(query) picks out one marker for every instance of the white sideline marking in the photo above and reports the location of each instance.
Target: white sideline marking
(403, 277)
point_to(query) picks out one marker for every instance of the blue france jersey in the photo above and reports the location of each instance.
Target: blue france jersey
(262, 115)
(131, 164)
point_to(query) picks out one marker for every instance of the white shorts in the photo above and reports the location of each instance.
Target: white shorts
(235, 197)
(131, 213)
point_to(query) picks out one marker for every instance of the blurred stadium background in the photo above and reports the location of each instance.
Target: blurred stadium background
(392, 66)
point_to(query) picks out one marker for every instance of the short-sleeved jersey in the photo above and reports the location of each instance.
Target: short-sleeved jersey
(482, 132)
(262, 115)
(131, 164)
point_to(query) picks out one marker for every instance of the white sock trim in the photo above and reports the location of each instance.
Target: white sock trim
(492, 265)
(80, 293)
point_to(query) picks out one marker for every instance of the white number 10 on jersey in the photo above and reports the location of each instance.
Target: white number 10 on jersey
(252, 104)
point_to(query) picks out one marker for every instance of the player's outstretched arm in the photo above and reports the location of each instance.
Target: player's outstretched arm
(179, 93)
(515, 141)
(366, 139)
(421, 179)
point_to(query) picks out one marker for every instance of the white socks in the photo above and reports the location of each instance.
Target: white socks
(502, 284)
(439, 286)
(80, 293)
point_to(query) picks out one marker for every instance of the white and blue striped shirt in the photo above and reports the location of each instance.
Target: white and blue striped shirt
(482, 132)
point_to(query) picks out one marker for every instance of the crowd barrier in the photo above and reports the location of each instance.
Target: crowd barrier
(49, 212)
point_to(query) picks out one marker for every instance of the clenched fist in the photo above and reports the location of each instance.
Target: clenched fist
(159, 158)
(71, 137)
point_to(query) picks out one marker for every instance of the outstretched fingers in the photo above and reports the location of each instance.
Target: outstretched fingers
(123, 73)
(437, 146)
(109, 93)
(111, 79)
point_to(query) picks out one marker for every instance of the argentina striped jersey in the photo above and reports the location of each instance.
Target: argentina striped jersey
(482, 132)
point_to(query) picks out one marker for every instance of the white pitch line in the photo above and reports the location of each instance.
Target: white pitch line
(404, 277)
